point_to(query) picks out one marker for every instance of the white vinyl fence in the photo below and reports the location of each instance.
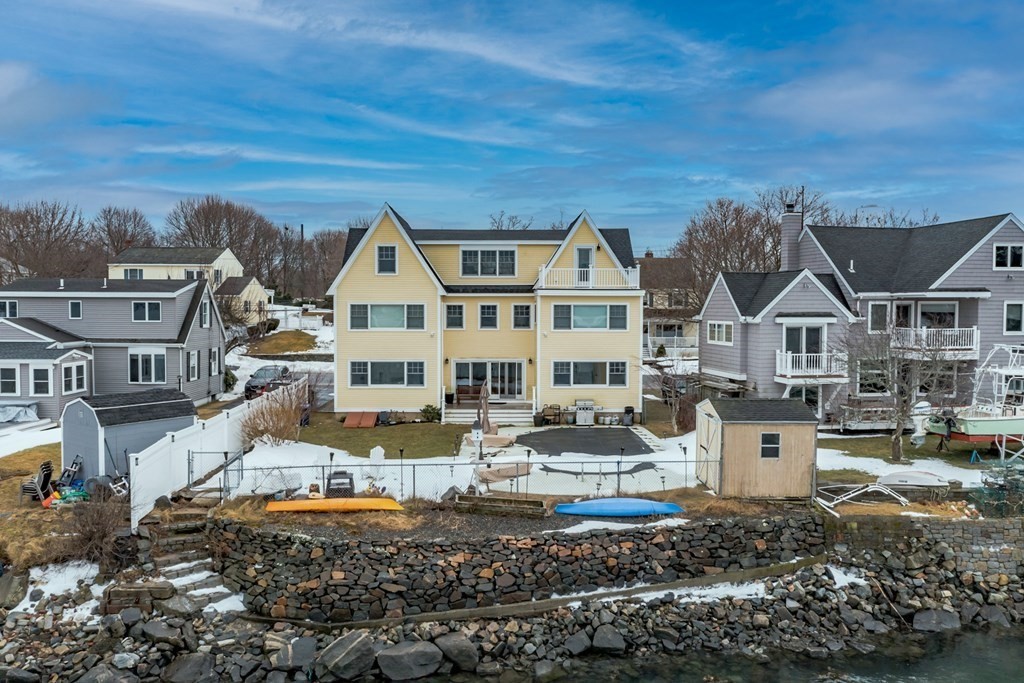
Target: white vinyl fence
(181, 458)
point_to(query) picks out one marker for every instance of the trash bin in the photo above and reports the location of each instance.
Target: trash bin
(627, 418)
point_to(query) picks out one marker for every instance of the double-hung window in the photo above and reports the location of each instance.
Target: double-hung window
(8, 309)
(204, 314)
(133, 273)
(488, 316)
(1008, 256)
(1013, 317)
(387, 259)
(74, 378)
(386, 316)
(214, 362)
(41, 381)
(146, 311)
(147, 367)
(387, 373)
(454, 316)
(193, 365)
(878, 317)
(719, 332)
(590, 317)
(9, 384)
(522, 316)
(488, 262)
(195, 274)
(771, 445)
(589, 373)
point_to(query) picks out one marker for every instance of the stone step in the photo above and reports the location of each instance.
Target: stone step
(204, 599)
(175, 571)
(181, 528)
(172, 558)
(179, 543)
(189, 513)
(202, 580)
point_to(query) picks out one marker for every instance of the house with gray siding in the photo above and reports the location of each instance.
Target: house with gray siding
(954, 289)
(138, 335)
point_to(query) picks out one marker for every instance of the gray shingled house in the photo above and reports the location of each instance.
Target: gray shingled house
(953, 288)
(136, 335)
(104, 430)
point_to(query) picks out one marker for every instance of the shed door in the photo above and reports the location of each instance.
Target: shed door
(709, 450)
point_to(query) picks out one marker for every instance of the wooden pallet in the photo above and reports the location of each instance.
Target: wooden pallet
(501, 505)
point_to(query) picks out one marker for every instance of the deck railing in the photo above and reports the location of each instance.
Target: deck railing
(810, 364)
(589, 278)
(936, 338)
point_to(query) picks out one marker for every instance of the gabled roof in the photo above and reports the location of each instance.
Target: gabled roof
(900, 259)
(45, 330)
(140, 406)
(662, 272)
(94, 285)
(184, 256)
(782, 410)
(753, 292)
(233, 286)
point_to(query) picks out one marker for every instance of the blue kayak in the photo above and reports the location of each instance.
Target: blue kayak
(618, 507)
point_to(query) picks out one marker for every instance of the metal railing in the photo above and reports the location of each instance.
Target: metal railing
(936, 338)
(589, 278)
(810, 364)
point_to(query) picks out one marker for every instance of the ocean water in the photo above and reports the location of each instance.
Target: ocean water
(973, 657)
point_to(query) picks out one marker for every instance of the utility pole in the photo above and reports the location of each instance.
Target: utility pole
(284, 259)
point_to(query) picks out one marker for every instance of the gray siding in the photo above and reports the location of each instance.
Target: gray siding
(81, 437)
(203, 340)
(10, 334)
(717, 356)
(48, 407)
(109, 317)
(119, 440)
(812, 258)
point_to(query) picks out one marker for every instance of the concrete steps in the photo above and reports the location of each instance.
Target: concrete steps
(497, 416)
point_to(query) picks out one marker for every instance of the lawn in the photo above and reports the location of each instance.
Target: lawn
(881, 447)
(288, 341)
(420, 440)
(25, 526)
(845, 476)
(658, 420)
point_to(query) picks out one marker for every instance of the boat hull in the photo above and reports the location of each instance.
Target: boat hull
(913, 480)
(982, 426)
(618, 507)
(334, 505)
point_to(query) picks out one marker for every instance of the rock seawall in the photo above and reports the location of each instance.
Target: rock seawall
(287, 575)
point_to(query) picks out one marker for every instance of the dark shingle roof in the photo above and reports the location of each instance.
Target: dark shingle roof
(619, 241)
(763, 410)
(45, 329)
(753, 292)
(900, 259)
(662, 272)
(233, 286)
(141, 406)
(185, 256)
(30, 351)
(95, 285)
(489, 289)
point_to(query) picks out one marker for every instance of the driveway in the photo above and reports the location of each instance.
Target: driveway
(590, 440)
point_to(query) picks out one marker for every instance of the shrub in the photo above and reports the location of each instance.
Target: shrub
(276, 416)
(97, 529)
(229, 380)
(431, 413)
(660, 353)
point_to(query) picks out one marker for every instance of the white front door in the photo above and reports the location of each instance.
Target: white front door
(584, 266)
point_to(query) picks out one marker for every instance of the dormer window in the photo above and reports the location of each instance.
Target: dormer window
(195, 274)
(488, 262)
(1008, 256)
(133, 273)
(387, 259)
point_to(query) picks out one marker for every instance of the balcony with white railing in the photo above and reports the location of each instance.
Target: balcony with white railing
(945, 342)
(808, 368)
(588, 278)
(675, 347)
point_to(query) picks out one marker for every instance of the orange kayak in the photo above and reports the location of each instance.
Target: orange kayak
(334, 505)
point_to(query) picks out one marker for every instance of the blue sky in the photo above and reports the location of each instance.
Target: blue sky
(315, 112)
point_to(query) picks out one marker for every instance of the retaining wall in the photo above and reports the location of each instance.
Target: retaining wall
(302, 577)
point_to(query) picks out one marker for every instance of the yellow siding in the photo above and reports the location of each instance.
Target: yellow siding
(226, 263)
(581, 345)
(412, 285)
(504, 343)
(446, 259)
(255, 295)
(584, 236)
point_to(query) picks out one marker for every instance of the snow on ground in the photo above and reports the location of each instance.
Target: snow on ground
(912, 513)
(845, 577)
(57, 579)
(232, 603)
(596, 524)
(247, 365)
(830, 459)
(19, 441)
(324, 338)
(672, 366)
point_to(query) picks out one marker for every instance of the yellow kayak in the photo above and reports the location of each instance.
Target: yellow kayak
(334, 505)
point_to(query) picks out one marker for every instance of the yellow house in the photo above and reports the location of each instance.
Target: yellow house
(244, 298)
(214, 264)
(541, 316)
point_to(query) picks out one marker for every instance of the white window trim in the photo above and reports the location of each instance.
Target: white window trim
(204, 315)
(496, 249)
(956, 311)
(761, 454)
(451, 327)
(214, 369)
(725, 324)
(404, 328)
(369, 374)
(803, 335)
(856, 385)
(151, 351)
(74, 374)
(128, 271)
(952, 394)
(197, 274)
(148, 302)
(17, 377)
(32, 383)
(572, 374)
(376, 259)
(480, 317)
(995, 245)
(7, 308)
(790, 388)
(1007, 304)
(512, 323)
(608, 317)
(576, 256)
(192, 365)
(81, 309)
(888, 313)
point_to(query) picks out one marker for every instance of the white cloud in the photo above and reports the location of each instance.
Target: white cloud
(247, 153)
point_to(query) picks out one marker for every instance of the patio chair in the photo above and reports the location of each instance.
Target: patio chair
(38, 487)
(552, 414)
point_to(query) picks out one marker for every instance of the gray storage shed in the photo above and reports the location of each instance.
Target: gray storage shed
(105, 429)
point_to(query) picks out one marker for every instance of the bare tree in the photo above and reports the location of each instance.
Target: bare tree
(326, 250)
(47, 239)
(560, 223)
(114, 229)
(892, 369)
(509, 221)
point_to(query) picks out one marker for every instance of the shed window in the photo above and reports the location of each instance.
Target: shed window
(771, 445)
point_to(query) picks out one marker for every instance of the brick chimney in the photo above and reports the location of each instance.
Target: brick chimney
(792, 224)
(648, 254)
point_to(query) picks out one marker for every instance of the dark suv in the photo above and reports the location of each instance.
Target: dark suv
(672, 387)
(267, 378)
